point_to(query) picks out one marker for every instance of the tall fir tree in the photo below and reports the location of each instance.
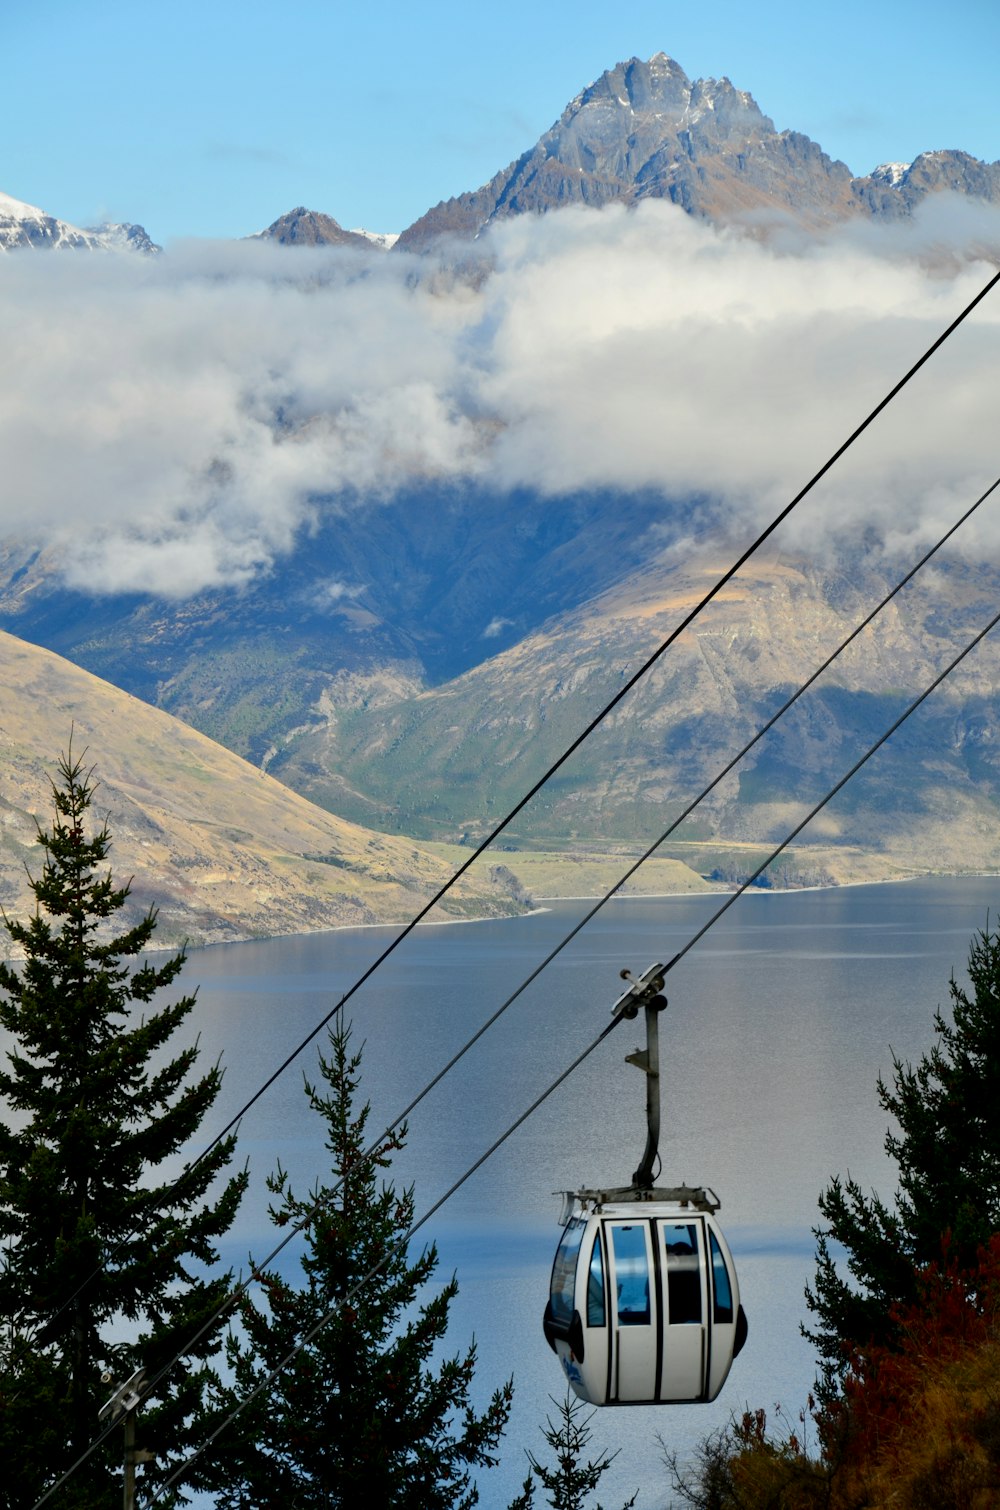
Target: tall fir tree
(948, 1153)
(361, 1418)
(96, 1244)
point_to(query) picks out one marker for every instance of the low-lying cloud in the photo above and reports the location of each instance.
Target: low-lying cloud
(178, 423)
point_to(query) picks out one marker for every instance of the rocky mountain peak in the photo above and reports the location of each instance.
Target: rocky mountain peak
(125, 237)
(661, 84)
(645, 130)
(890, 175)
(302, 227)
(657, 91)
(893, 190)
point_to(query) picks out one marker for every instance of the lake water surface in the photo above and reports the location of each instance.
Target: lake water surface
(779, 1022)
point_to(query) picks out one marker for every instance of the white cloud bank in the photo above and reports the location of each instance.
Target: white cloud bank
(174, 424)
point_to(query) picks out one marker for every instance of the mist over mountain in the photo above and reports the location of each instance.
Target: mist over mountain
(392, 528)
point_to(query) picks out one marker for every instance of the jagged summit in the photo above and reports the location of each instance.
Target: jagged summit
(892, 191)
(642, 130)
(25, 225)
(302, 227)
(637, 85)
(646, 130)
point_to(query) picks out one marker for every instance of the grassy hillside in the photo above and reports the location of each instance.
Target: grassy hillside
(223, 850)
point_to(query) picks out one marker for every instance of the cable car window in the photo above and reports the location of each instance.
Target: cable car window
(631, 1275)
(683, 1273)
(563, 1285)
(595, 1286)
(722, 1308)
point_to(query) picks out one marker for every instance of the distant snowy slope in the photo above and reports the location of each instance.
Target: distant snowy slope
(383, 239)
(25, 225)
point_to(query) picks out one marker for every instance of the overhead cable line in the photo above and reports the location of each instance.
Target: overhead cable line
(498, 1143)
(599, 718)
(231, 1299)
(371, 1152)
(523, 802)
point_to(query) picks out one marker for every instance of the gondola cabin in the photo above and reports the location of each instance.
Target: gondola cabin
(644, 1304)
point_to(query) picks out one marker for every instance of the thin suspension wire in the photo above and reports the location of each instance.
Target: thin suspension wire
(98, 1441)
(606, 710)
(570, 750)
(498, 1143)
(832, 793)
(557, 764)
(244, 1285)
(371, 1152)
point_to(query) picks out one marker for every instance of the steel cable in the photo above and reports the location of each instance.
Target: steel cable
(371, 1152)
(498, 1143)
(560, 761)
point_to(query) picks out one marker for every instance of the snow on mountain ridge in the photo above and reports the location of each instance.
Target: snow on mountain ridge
(26, 225)
(383, 239)
(890, 174)
(17, 209)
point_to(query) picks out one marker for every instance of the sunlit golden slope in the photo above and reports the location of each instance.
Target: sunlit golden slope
(437, 761)
(224, 851)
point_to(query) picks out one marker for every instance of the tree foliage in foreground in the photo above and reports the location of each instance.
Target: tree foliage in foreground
(573, 1478)
(909, 1339)
(948, 1154)
(919, 1422)
(97, 1242)
(362, 1417)
(916, 1426)
(744, 1465)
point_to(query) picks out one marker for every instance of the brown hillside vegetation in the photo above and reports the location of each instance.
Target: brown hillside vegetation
(223, 850)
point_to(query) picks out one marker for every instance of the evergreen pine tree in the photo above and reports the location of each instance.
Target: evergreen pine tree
(572, 1479)
(361, 1418)
(948, 1153)
(96, 1246)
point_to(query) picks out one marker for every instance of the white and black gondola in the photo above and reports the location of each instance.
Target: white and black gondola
(644, 1301)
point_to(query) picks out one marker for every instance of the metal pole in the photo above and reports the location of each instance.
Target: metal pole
(130, 1459)
(124, 1402)
(652, 1083)
(645, 992)
(649, 1061)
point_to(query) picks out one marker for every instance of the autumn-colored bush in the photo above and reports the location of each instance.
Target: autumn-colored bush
(746, 1466)
(916, 1426)
(919, 1425)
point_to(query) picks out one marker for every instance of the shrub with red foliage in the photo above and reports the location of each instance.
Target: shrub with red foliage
(918, 1424)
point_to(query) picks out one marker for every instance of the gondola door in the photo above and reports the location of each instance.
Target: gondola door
(635, 1311)
(686, 1333)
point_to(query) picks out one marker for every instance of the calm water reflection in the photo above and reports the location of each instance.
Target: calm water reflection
(778, 1024)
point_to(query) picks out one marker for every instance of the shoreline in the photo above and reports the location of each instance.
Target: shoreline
(547, 903)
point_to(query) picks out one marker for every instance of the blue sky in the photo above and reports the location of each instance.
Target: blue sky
(212, 117)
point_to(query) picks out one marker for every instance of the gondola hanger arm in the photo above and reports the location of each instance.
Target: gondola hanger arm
(639, 992)
(645, 993)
